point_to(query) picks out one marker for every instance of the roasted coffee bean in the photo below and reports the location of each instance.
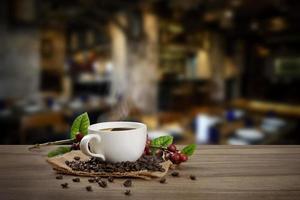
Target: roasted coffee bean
(89, 188)
(91, 180)
(98, 179)
(110, 179)
(64, 185)
(193, 177)
(127, 192)
(175, 174)
(162, 180)
(102, 184)
(59, 177)
(76, 179)
(76, 158)
(127, 183)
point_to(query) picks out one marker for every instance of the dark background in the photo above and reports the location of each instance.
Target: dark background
(168, 63)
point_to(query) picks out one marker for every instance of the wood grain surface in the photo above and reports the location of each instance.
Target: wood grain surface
(223, 172)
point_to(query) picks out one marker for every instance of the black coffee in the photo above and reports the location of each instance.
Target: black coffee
(117, 129)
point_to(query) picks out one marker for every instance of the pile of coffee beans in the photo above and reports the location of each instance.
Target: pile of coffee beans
(146, 162)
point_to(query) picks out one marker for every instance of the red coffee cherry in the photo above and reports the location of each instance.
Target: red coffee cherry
(172, 148)
(183, 157)
(147, 151)
(175, 158)
(79, 136)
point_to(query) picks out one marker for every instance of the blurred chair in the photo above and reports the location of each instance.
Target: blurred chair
(53, 120)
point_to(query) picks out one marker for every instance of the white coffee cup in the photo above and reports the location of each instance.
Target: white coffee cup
(115, 146)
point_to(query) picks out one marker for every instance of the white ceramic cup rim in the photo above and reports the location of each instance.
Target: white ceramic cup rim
(96, 128)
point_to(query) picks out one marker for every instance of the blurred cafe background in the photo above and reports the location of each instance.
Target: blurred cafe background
(204, 71)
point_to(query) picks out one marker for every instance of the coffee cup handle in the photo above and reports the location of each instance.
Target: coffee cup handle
(84, 145)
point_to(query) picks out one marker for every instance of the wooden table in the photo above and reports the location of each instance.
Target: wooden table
(223, 172)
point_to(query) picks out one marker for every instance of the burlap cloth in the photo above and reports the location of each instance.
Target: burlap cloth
(58, 164)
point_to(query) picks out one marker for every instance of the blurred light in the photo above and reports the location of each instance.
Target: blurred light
(277, 24)
(203, 65)
(109, 66)
(79, 58)
(254, 26)
(226, 21)
(262, 51)
(236, 3)
(210, 17)
(175, 28)
(74, 41)
(96, 65)
(90, 38)
(228, 14)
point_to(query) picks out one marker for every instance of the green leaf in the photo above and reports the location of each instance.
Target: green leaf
(189, 150)
(59, 151)
(162, 141)
(80, 124)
